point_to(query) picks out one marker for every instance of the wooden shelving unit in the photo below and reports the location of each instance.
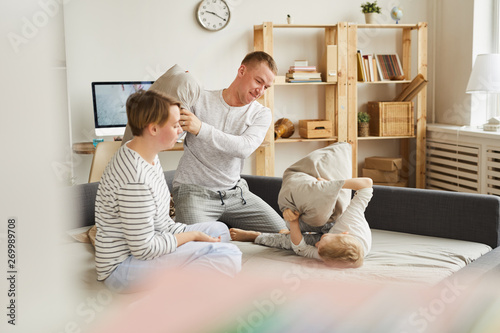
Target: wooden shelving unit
(335, 92)
(341, 96)
(419, 158)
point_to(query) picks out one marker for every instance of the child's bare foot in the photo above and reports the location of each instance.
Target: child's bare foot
(243, 235)
(284, 231)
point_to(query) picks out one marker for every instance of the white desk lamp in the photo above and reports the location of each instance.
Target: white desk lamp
(485, 79)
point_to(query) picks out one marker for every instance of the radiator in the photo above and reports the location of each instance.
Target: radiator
(462, 159)
(493, 170)
(454, 166)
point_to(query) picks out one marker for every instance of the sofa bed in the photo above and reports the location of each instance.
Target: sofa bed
(419, 237)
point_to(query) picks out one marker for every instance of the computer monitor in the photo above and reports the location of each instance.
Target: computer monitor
(110, 99)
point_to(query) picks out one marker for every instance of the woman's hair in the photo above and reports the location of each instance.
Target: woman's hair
(148, 107)
(342, 252)
(257, 57)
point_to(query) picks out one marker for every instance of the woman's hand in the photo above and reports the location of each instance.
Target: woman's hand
(203, 237)
(195, 236)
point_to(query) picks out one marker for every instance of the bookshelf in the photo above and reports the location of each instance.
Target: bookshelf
(408, 36)
(341, 95)
(335, 95)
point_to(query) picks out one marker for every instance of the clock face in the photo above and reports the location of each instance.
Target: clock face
(213, 14)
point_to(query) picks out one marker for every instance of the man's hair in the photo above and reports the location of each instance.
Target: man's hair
(343, 252)
(148, 107)
(257, 57)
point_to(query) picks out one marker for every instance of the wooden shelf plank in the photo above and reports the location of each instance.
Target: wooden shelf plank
(388, 26)
(319, 26)
(296, 139)
(385, 82)
(384, 137)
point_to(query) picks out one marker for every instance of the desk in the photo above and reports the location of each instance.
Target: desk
(87, 148)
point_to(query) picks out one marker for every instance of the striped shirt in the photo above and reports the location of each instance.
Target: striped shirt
(132, 212)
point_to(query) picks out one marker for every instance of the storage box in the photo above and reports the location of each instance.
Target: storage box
(315, 128)
(401, 183)
(391, 118)
(384, 163)
(381, 176)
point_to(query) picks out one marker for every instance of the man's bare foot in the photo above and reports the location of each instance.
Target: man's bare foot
(243, 235)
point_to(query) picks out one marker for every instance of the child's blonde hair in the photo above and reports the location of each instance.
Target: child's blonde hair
(342, 252)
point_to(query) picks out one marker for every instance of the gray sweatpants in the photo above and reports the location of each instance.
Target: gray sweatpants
(237, 207)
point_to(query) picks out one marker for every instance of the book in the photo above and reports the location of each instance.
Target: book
(361, 69)
(303, 68)
(310, 75)
(302, 80)
(301, 63)
(375, 71)
(411, 90)
(366, 64)
(388, 66)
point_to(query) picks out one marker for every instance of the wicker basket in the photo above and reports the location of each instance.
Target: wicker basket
(391, 118)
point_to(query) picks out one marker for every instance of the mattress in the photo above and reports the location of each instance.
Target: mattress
(395, 257)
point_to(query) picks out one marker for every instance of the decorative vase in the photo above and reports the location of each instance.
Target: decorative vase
(363, 129)
(371, 18)
(283, 128)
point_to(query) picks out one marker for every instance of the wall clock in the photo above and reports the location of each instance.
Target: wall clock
(213, 14)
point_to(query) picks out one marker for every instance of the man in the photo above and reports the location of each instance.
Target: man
(225, 127)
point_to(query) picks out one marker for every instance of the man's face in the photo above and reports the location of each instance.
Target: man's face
(255, 80)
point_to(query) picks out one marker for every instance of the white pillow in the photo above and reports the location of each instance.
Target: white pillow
(318, 202)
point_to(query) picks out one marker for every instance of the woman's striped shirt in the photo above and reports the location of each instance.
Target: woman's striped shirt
(132, 212)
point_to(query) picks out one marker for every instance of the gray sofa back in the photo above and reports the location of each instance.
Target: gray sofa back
(471, 217)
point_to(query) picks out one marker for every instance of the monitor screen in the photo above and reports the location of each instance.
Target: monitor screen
(110, 99)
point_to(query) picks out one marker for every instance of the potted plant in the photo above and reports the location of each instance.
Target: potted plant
(363, 124)
(370, 9)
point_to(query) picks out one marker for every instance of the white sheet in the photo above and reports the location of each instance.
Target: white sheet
(396, 257)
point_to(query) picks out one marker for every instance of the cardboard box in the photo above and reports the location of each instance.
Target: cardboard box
(384, 163)
(379, 176)
(401, 183)
(315, 128)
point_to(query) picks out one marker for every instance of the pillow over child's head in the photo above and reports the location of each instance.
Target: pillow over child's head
(177, 83)
(319, 202)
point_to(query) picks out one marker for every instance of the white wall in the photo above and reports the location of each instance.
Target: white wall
(132, 40)
(463, 31)
(35, 140)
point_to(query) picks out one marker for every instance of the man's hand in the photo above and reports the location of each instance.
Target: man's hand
(290, 215)
(189, 122)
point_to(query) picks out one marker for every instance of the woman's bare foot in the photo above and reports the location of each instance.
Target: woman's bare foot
(243, 235)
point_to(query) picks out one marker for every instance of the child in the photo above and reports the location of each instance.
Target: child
(135, 234)
(344, 245)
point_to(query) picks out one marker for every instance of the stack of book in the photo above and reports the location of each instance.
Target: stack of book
(302, 72)
(379, 67)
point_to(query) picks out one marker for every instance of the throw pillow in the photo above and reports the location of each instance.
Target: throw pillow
(318, 202)
(177, 83)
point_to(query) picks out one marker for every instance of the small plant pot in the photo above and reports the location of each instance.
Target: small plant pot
(363, 129)
(371, 18)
